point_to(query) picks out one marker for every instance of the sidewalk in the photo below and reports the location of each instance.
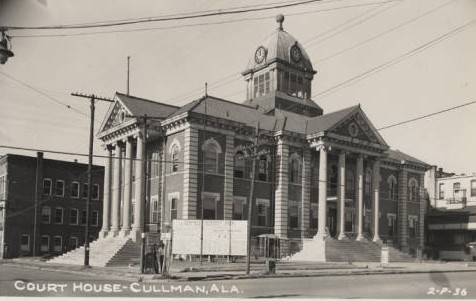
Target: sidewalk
(193, 271)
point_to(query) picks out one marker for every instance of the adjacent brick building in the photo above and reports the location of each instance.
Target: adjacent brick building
(43, 205)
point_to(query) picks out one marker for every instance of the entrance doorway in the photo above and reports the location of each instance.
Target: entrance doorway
(332, 221)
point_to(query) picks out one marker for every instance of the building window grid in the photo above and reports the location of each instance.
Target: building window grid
(473, 188)
(173, 208)
(58, 215)
(294, 172)
(57, 244)
(44, 243)
(441, 191)
(263, 169)
(262, 211)
(95, 192)
(368, 181)
(25, 243)
(85, 190)
(73, 216)
(59, 188)
(84, 216)
(47, 187)
(3, 185)
(261, 84)
(293, 216)
(239, 208)
(75, 190)
(175, 159)
(95, 218)
(211, 158)
(45, 214)
(392, 188)
(154, 210)
(239, 169)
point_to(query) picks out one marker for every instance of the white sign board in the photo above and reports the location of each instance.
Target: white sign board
(220, 237)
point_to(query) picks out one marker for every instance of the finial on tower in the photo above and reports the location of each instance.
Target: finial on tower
(280, 20)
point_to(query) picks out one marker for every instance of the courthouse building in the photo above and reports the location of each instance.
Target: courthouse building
(319, 176)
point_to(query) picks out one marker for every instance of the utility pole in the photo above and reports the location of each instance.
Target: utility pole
(92, 99)
(128, 73)
(253, 157)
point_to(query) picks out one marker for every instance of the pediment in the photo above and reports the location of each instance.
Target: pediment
(357, 126)
(116, 115)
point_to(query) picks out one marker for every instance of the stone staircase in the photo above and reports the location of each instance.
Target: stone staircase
(331, 250)
(103, 252)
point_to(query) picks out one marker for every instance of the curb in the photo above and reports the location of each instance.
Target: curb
(155, 278)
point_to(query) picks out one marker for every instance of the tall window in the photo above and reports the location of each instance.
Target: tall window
(211, 157)
(412, 225)
(293, 217)
(175, 158)
(95, 192)
(45, 243)
(209, 206)
(75, 189)
(57, 244)
(261, 84)
(45, 215)
(58, 215)
(95, 218)
(313, 216)
(239, 208)
(413, 190)
(391, 224)
(3, 185)
(47, 187)
(59, 188)
(154, 209)
(294, 172)
(368, 181)
(263, 169)
(456, 187)
(73, 216)
(84, 216)
(85, 190)
(333, 179)
(441, 191)
(239, 170)
(473, 187)
(25, 243)
(392, 188)
(173, 208)
(262, 212)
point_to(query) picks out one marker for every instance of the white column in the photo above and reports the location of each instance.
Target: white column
(360, 196)
(106, 221)
(341, 196)
(376, 197)
(322, 221)
(138, 226)
(306, 192)
(116, 190)
(126, 210)
(281, 198)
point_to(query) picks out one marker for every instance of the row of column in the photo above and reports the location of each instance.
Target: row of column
(322, 220)
(112, 189)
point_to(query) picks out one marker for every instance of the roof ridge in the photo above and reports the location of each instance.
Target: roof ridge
(147, 100)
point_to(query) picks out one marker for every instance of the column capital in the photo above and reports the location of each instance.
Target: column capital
(108, 147)
(323, 147)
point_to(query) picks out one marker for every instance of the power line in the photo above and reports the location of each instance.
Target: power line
(200, 24)
(393, 61)
(384, 32)
(162, 18)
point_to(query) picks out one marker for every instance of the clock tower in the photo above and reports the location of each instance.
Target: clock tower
(279, 76)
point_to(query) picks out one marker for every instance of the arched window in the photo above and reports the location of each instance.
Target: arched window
(392, 188)
(294, 172)
(263, 168)
(368, 181)
(413, 194)
(239, 165)
(175, 159)
(211, 150)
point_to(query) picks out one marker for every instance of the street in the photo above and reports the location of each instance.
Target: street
(17, 281)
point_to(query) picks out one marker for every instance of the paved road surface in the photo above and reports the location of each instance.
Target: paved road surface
(16, 281)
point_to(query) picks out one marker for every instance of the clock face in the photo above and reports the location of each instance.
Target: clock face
(296, 54)
(260, 55)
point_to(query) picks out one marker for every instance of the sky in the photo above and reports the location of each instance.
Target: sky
(399, 59)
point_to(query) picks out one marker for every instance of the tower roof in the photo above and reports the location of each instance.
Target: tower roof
(277, 48)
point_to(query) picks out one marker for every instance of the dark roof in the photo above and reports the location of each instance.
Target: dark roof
(140, 106)
(327, 121)
(397, 155)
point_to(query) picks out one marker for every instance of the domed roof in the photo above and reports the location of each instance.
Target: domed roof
(279, 47)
